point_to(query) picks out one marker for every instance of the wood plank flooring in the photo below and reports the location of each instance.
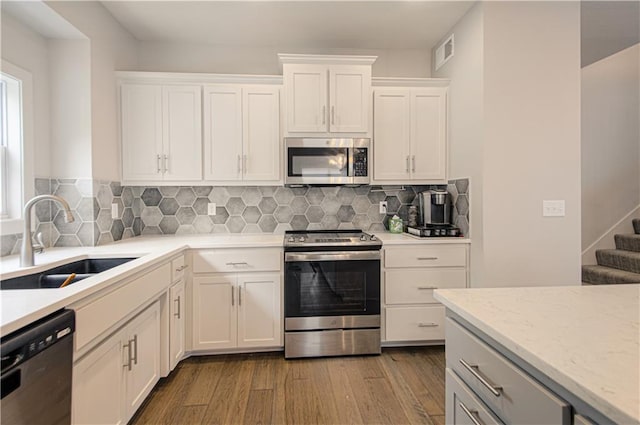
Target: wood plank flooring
(401, 386)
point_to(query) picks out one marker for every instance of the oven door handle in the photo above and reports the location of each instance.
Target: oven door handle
(297, 257)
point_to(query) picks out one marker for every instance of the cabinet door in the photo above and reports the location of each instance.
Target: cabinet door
(349, 94)
(141, 122)
(182, 132)
(176, 324)
(98, 385)
(429, 134)
(214, 312)
(391, 133)
(222, 132)
(306, 93)
(261, 133)
(143, 335)
(259, 315)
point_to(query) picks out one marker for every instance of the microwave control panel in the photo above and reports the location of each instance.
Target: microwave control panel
(360, 166)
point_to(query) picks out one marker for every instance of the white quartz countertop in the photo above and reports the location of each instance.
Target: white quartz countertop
(584, 338)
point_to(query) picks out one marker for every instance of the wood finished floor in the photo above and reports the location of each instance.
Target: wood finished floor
(401, 386)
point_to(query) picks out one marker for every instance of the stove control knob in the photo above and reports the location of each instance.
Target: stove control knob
(301, 239)
(291, 239)
(363, 238)
(373, 238)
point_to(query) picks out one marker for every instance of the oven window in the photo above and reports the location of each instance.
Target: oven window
(318, 162)
(331, 288)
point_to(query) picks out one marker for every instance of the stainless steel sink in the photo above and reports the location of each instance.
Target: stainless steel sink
(54, 277)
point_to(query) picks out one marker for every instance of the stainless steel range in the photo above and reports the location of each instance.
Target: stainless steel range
(331, 293)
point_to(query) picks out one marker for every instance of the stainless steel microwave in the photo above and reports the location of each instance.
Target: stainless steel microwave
(327, 161)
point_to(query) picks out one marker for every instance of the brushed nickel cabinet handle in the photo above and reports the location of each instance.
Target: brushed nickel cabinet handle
(239, 165)
(324, 114)
(474, 370)
(184, 266)
(128, 346)
(159, 167)
(407, 168)
(233, 296)
(333, 115)
(427, 287)
(177, 314)
(166, 164)
(239, 296)
(413, 163)
(472, 414)
(135, 349)
(428, 325)
(244, 164)
(426, 258)
(241, 263)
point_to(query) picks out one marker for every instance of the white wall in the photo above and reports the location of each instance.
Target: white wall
(610, 142)
(531, 142)
(465, 70)
(28, 50)
(112, 48)
(184, 57)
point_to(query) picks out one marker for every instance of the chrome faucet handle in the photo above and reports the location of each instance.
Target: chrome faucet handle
(39, 246)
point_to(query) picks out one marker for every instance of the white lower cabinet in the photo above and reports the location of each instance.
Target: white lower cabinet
(176, 323)
(234, 310)
(111, 381)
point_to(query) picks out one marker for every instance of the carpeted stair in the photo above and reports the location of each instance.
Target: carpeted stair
(620, 265)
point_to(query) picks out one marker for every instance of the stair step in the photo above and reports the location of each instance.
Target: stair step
(618, 259)
(628, 242)
(636, 225)
(600, 275)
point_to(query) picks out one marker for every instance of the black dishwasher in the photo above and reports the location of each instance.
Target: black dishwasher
(37, 363)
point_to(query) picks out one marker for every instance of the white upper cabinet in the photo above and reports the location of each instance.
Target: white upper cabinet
(410, 134)
(161, 133)
(327, 95)
(242, 133)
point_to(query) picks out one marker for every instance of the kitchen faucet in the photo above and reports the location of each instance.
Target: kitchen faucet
(26, 251)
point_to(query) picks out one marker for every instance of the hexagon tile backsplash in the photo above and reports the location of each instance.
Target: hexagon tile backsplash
(239, 209)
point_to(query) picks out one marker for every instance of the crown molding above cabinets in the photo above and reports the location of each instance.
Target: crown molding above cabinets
(195, 78)
(296, 59)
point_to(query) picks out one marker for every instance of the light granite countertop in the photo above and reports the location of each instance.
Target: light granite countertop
(586, 339)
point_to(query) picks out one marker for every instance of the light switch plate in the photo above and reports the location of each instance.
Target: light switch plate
(553, 208)
(211, 208)
(114, 211)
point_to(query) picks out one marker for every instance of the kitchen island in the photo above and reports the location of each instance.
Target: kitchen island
(580, 342)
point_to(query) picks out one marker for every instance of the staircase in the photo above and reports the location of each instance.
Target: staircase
(620, 265)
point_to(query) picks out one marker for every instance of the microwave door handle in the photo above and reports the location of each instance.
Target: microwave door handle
(350, 172)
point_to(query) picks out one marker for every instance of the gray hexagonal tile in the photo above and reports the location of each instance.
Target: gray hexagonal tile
(219, 195)
(105, 238)
(221, 217)
(315, 195)
(68, 240)
(202, 191)
(186, 229)
(104, 195)
(300, 191)
(169, 225)
(186, 215)
(281, 228)
(235, 206)
(127, 234)
(185, 197)
(374, 214)
(393, 204)
(117, 229)
(45, 211)
(299, 222)
(203, 224)
(88, 209)
(267, 205)
(151, 216)
(361, 204)
(463, 224)
(283, 214)
(330, 222)
(168, 206)
(251, 215)
(299, 205)
(54, 186)
(268, 190)
(69, 193)
(8, 244)
(151, 230)
(362, 190)
(267, 223)
(331, 204)
(376, 227)
(407, 195)
(151, 197)
(235, 190)
(251, 196)
(376, 196)
(169, 191)
(49, 233)
(138, 226)
(346, 213)
(346, 195)
(330, 190)
(235, 224)
(137, 191)
(463, 186)
(127, 217)
(88, 234)
(127, 197)
(42, 186)
(251, 228)
(315, 214)
(462, 205)
(283, 195)
(67, 228)
(220, 228)
(104, 220)
(314, 226)
(137, 206)
(361, 221)
(201, 206)
(116, 188)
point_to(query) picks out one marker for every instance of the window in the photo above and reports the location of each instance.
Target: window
(3, 150)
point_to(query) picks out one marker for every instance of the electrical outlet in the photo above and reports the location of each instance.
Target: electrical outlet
(553, 208)
(383, 207)
(114, 211)
(211, 208)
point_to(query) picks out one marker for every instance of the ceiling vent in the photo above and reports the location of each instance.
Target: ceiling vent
(444, 52)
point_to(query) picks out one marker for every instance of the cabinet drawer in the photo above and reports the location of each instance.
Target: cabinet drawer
(414, 323)
(415, 286)
(177, 268)
(237, 260)
(509, 392)
(462, 406)
(426, 256)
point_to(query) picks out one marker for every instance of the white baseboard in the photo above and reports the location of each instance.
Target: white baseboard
(606, 241)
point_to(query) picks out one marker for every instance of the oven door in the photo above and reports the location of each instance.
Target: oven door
(332, 284)
(319, 161)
